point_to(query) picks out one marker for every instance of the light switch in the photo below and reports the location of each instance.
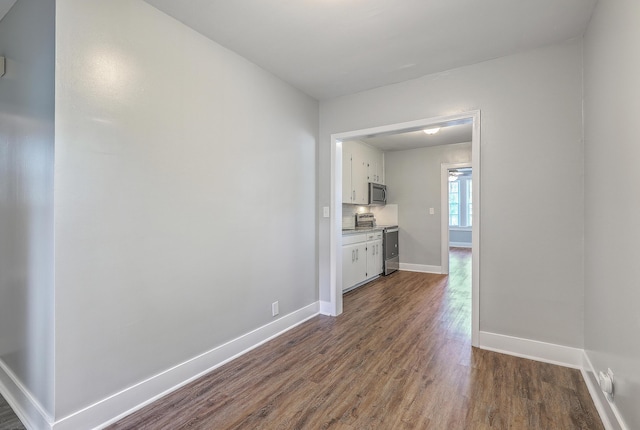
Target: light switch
(432, 211)
(325, 211)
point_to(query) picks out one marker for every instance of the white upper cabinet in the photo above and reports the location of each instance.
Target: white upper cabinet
(361, 164)
(374, 159)
(377, 168)
(347, 190)
(359, 182)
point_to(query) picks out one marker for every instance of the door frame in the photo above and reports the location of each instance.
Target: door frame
(334, 306)
(444, 217)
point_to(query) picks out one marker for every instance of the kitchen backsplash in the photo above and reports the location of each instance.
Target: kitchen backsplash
(385, 215)
(349, 214)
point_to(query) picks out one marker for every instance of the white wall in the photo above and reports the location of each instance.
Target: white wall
(531, 279)
(26, 201)
(413, 183)
(185, 197)
(460, 237)
(612, 104)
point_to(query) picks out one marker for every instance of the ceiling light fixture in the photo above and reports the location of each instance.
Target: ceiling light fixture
(431, 130)
(453, 175)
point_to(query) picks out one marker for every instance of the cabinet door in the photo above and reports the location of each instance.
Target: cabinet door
(373, 171)
(371, 259)
(348, 263)
(347, 190)
(379, 257)
(354, 264)
(359, 183)
(375, 164)
(360, 267)
(374, 258)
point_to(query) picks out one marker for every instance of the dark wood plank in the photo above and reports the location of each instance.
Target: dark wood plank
(8, 419)
(398, 358)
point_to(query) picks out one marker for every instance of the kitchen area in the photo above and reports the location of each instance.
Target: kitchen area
(369, 227)
(392, 198)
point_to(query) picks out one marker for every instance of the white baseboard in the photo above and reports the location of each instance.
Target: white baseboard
(561, 355)
(127, 401)
(460, 244)
(422, 268)
(23, 403)
(609, 413)
(326, 308)
(532, 349)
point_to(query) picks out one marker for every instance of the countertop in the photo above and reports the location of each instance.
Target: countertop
(359, 230)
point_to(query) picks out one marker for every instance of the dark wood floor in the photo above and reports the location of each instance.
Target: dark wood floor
(8, 419)
(398, 358)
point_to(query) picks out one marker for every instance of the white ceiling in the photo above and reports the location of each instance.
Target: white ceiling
(418, 139)
(329, 48)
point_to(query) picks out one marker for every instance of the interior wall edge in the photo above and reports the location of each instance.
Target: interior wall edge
(22, 401)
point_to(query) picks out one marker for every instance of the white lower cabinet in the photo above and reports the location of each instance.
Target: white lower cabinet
(361, 258)
(354, 264)
(374, 258)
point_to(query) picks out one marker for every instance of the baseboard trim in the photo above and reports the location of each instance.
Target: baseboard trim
(608, 411)
(115, 407)
(576, 358)
(422, 268)
(23, 403)
(532, 349)
(119, 405)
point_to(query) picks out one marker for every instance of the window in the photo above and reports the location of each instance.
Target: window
(454, 203)
(469, 202)
(460, 202)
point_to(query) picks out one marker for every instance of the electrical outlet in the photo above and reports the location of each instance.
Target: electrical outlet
(606, 383)
(274, 309)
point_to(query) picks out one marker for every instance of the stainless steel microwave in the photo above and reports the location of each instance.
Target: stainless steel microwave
(377, 194)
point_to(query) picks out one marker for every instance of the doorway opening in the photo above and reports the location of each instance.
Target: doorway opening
(456, 181)
(335, 306)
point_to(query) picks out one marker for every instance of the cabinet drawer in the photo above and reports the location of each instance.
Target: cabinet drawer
(374, 235)
(353, 238)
